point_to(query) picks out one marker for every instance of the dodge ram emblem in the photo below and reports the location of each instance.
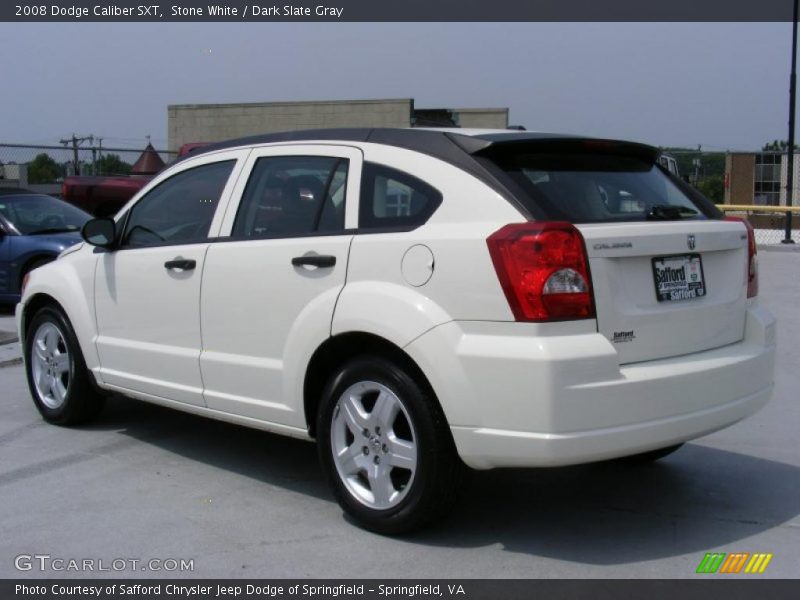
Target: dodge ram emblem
(690, 241)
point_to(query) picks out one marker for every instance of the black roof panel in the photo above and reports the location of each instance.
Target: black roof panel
(466, 152)
(439, 143)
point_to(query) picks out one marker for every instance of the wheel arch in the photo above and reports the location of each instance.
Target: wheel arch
(336, 351)
(59, 283)
(34, 305)
(25, 266)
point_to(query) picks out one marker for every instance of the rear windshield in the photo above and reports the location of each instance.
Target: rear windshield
(597, 188)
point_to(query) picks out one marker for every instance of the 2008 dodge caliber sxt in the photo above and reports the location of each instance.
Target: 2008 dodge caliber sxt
(415, 301)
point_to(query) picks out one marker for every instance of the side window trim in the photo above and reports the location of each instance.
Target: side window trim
(326, 193)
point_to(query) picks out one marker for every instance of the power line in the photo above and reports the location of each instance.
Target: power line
(77, 141)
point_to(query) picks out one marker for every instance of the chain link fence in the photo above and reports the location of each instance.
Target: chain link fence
(27, 166)
(754, 182)
(769, 223)
(44, 168)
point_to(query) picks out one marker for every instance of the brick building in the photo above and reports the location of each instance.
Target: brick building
(759, 178)
(215, 122)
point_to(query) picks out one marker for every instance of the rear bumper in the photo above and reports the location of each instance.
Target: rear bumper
(518, 395)
(487, 448)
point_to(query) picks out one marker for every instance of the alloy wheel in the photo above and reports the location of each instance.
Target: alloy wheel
(374, 445)
(50, 365)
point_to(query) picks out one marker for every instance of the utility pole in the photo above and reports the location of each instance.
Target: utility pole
(790, 153)
(75, 142)
(696, 163)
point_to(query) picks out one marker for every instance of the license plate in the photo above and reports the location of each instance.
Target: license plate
(679, 277)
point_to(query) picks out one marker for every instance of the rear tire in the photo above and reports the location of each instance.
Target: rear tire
(386, 447)
(649, 457)
(59, 382)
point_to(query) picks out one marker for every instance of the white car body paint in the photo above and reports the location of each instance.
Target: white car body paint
(233, 339)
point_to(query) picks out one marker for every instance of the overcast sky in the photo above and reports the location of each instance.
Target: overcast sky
(724, 86)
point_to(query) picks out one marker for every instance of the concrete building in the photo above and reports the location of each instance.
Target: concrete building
(759, 178)
(215, 122)
(13, 175)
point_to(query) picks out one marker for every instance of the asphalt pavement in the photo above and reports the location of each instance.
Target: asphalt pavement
(144, 482)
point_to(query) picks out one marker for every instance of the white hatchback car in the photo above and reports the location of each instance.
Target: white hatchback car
(414, 300)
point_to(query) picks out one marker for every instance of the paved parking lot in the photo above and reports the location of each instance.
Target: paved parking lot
(145, 482)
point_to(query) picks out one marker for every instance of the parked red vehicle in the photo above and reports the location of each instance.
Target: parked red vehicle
(104, 195)
(101, 196)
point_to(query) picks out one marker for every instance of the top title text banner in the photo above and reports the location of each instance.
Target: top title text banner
(401, 11)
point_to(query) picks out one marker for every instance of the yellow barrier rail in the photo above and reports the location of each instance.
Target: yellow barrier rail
(756, 208)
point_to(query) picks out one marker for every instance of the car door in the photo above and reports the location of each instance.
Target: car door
(147, 291)
(5, 258)
(270, 286)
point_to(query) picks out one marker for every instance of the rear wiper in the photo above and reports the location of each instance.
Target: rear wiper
(669, 212)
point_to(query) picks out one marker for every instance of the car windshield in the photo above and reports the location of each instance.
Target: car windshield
(36, 214)
(597, 188)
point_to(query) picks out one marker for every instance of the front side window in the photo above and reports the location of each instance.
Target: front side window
(180, 209)
(293, 195)
(394, 199)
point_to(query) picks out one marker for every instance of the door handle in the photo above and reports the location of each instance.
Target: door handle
(323, 261)
(184, 264)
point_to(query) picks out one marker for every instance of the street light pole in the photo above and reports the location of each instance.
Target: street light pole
(790, 155)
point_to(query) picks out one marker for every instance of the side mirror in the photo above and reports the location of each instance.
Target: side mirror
(100, 232)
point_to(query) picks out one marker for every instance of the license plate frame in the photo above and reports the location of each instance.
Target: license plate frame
(693, 277)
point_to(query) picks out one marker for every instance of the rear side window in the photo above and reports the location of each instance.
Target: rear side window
(293, 195)
(394, 199)
(596, 188)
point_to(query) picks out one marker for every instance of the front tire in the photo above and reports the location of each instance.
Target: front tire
(386, 447)
(58, 379)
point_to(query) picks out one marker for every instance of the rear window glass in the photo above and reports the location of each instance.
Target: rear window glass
(596, 188)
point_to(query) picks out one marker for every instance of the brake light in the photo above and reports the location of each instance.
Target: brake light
(543, 270)
(752, 258)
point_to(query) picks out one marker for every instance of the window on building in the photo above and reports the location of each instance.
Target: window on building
(767, 180)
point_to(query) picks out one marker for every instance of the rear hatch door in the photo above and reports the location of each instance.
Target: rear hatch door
(668, 288)
(668, 274)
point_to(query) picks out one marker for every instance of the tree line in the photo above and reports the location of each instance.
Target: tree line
(44, 169)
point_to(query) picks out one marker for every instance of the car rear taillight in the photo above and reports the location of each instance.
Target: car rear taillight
(752, 258)
(543, 270)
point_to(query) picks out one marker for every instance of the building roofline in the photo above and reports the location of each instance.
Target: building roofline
(479, 110)
(288, 103)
